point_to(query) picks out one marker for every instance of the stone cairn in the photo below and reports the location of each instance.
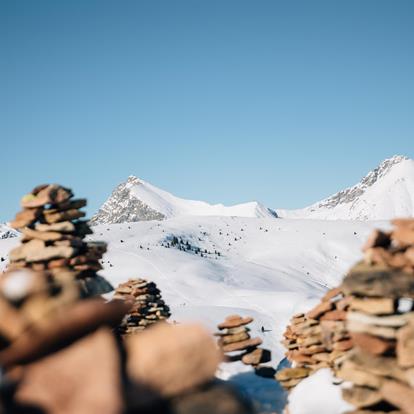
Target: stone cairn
(234, 337)
(148, 306)
(52, 239)
(317, 339)
(381, 324)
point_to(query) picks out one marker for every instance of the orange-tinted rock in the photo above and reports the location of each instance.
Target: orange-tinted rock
(234, 321)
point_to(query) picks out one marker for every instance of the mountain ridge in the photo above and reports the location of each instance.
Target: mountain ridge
(137, 200)
(384, 193)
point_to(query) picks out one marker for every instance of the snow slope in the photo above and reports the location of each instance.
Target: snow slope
(385, 193)
(265, 268)
(137, 200)
(7, 232)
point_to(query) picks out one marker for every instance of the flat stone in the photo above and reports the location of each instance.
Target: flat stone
(349, 371)
(57, 331)
(361, 396)
(394, 321)
(234, 321)
(405, 346)
(366, 280)
(29, 234)
(49, 253)
(292, 373)
(49, 194)
(64, 216)
(238, 346)
(74, 204)
(24, 250)
(319, 310)
(373, 306)
(399, 395)
(343, 345)
(332, 293)
(62, 227)
(26, 218)
(378, 365)
(256, 357)
(230, 339)
(334, 315)
(299, 357)
(312, 349)
(382, 331)
(288, 384)
(373, 344)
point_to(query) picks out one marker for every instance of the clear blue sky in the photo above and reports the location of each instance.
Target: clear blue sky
(226, 101)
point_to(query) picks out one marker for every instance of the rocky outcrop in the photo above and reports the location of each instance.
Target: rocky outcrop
(123, 207)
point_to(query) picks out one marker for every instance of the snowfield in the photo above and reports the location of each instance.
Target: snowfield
(264, 267)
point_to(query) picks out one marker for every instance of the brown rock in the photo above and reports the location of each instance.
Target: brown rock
(409, 254)
(256, 357)
(330, 294)
(394, 321)
(292, 373)
(343, 345)
(361, 396)
(335, 315)
(67, 205)
(64, 216)
(405, 346)
(365, 280)
(377, 256)
(403, 236)
(172, 359)
(62, 227)
(50, 194)
(66, 326)
(238, 346)
(299, 357)
(30, 234)
(71, 381)
(382, 331)
(319, 310)
(234, 321)
(373, 306)
(26, 218)
(349, 371)
(313, 349)
(372, 344)
(398, 395)
(378, 365)
(50, 252)
(22, 251)
(377, 238)
(230, 339)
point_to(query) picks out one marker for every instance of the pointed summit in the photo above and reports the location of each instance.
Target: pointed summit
(384, 193)
(137, 200)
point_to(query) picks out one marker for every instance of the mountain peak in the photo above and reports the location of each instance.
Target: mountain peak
(384, 193)
(137, 200)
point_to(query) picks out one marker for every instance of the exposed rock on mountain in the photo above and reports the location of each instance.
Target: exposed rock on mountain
(137, 200)
(384, 193)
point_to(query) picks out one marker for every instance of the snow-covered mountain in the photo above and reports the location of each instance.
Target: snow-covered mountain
(137, 200)
(384, 193)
